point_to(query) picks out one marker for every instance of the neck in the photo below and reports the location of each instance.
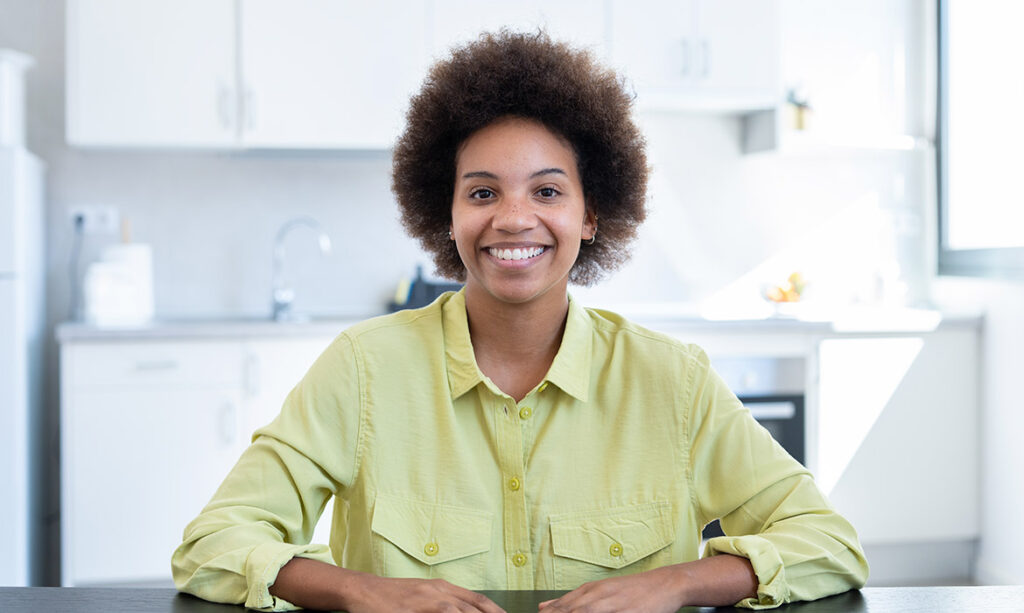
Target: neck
(515, 344)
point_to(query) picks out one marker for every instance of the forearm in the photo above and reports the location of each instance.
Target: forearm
(722, 580)
(312, 584)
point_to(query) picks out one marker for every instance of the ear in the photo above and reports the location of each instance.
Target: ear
(589, 223)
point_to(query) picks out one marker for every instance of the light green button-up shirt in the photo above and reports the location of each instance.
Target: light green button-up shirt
(611, 465)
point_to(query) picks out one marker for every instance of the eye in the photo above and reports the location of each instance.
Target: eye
(481, 194)
(547, 192)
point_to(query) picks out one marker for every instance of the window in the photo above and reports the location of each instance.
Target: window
(980, 136)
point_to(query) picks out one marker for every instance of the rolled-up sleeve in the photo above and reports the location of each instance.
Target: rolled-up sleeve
(769, 506)
(265, 511)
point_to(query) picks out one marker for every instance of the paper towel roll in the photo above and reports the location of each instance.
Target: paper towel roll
(119, 287)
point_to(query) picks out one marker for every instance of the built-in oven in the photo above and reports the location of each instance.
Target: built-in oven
(773, 389)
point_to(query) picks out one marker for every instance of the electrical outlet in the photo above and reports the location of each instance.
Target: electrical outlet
(95, 219)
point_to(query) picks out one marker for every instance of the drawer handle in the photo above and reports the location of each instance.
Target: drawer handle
(228, 423)
(772, 410)
(151, 365)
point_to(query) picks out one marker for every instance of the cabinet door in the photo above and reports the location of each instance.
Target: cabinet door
(738, 48)
(155, 73)
(272, 368)
(329, 73)
(578, 22)
(898, 435)
(654, 44)
(149, 429)
(143, 462)
(714, 55)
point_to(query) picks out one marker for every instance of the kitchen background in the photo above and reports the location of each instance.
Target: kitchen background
(852, 208)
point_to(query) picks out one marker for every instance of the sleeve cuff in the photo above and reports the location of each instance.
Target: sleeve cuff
(772, 589)
(261, 570)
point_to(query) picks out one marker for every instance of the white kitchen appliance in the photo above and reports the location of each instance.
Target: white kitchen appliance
(22, 324)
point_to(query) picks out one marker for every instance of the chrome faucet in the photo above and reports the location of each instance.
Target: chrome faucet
(284, 295)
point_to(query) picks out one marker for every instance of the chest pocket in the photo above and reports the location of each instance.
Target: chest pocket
(426, 540)
(603, 543)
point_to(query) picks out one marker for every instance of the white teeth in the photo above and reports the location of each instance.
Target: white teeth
(517, 253)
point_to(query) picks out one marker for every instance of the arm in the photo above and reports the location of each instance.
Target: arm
(264, 513)
(791, 544)
(711, 582)
(316, 585)
(770, 508)
(250, 544)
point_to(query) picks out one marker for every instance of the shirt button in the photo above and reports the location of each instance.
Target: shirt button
(430, 549)
(514, 484)
(519, 559)
(615, 550)
(525, 413)
(542, 387)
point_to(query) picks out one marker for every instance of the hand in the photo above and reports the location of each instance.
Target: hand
(385, 595)
(720, 580)
(654, 591)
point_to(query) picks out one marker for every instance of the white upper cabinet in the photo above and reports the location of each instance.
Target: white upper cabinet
(151, 73)
(578, 22)
(251, 73)
(717, 55)
(329, 73)
(338, 74)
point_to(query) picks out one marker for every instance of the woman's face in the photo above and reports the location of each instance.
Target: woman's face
(518, 213)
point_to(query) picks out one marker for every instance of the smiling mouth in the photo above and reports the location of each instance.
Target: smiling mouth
(516, 254)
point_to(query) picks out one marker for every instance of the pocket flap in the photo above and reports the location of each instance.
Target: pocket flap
(432, 533)
(612, 538)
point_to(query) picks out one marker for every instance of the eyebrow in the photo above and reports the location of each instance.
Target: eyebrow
(490, 175)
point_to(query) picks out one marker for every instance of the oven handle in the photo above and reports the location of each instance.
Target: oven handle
(772, 409)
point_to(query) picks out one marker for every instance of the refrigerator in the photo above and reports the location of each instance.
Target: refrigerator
(22, 326)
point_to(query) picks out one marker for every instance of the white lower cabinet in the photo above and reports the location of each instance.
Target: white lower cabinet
(892, 426)
(149, 430)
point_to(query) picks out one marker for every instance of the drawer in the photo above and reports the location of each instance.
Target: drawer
(160, 362)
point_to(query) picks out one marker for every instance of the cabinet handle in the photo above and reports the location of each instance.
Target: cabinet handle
(705, 58)
(224, 105)
(228, 423)
(686, 57)
(151, 365)
(252, 375)
(249, 109)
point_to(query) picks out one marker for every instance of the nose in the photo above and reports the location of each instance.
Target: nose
(514, 215)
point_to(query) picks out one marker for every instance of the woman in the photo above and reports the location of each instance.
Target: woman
(504, 437)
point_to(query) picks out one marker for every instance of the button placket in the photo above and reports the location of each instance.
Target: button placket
(515, 518)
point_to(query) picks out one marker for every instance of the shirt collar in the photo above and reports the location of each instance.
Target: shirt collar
(570, 370)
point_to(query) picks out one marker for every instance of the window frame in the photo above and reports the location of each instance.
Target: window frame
(996, 262)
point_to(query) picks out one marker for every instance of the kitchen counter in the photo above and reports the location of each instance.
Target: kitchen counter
(206, 329)
(669, 318)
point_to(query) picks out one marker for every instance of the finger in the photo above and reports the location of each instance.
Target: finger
(582, 598)
(475, 599)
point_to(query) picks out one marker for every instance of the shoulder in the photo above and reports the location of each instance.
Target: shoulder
(406, 324)
(620, 334)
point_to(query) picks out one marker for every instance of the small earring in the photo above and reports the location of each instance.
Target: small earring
(450, 237)
(590, 241)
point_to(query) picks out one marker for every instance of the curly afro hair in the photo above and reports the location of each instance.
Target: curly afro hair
(526, 75)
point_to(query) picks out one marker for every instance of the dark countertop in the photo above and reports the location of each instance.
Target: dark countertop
(873, 600)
